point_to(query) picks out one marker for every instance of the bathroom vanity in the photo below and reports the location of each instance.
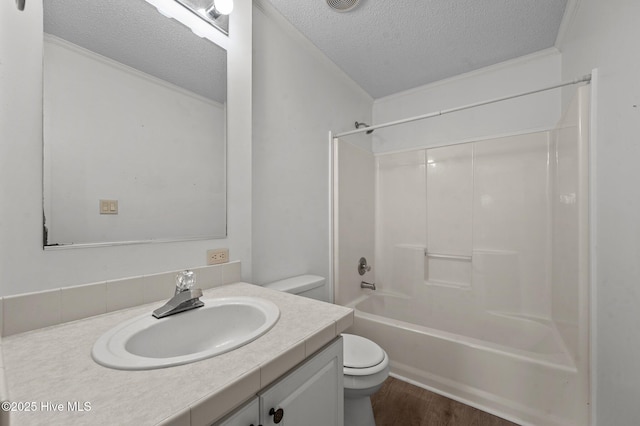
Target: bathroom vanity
(294, 369)
(310, 395)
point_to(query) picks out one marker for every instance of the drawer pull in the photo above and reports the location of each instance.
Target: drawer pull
(277, 414)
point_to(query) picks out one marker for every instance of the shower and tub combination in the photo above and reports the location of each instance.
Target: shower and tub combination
(480, 257)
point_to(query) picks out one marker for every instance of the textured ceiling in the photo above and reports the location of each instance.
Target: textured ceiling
(132, 32)
(385, 46)
(389, 46)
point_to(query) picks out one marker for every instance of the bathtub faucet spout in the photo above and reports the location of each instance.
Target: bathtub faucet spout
(364, 284)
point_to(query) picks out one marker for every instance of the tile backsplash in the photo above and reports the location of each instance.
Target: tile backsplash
(30, 311)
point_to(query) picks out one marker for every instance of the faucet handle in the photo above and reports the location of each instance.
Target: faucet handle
(362, 266)
(185, 280)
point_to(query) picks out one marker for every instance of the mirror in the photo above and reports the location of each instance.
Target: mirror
(134, 109)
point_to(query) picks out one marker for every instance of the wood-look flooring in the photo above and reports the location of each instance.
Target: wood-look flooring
(399, 403)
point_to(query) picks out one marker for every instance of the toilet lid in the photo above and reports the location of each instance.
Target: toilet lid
(360, 352)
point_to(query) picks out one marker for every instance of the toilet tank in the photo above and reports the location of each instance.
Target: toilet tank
(311, 286)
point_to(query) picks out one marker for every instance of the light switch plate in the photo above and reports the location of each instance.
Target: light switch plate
(108, 206)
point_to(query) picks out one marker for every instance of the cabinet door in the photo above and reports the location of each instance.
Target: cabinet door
(311, 395)
(246, 415)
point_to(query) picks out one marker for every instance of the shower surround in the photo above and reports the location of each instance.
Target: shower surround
(481, 265)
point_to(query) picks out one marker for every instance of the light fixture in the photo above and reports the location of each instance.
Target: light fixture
(197, 21)
(220, 7)
(225, 7)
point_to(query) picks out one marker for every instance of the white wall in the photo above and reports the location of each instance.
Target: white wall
(113, 132)
(401, 225)
(354, 215)
(299, 96)
(531, 113)
(605, 35)
(487, 201)
(24, 266)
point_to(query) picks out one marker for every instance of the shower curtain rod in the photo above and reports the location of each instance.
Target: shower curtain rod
(586, 78)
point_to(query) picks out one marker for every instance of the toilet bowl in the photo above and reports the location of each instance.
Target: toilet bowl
(365, 364)
(366, 367)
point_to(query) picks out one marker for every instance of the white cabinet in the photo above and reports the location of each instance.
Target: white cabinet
(310, 395)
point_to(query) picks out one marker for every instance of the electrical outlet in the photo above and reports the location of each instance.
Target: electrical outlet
(216, 256)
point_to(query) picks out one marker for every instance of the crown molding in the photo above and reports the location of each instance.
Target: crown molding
(54, 40)
(551, 51)
(570, 13)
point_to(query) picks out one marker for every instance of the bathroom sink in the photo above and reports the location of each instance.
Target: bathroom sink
(221, 325)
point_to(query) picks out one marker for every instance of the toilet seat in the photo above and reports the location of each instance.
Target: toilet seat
(362, 357)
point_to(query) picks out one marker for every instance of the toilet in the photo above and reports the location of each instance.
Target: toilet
(365, 364)
(365, 367)
(311, 286)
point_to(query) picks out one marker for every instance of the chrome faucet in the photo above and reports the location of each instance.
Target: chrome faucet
(364, 284)
(185, 297)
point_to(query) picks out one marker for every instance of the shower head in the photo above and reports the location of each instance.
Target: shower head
(358, 125)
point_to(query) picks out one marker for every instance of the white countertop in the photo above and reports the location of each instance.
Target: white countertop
(53, 366)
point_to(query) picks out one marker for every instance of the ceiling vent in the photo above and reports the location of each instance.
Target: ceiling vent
(342, 5)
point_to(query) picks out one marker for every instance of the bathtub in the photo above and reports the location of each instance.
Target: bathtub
(511, 366)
